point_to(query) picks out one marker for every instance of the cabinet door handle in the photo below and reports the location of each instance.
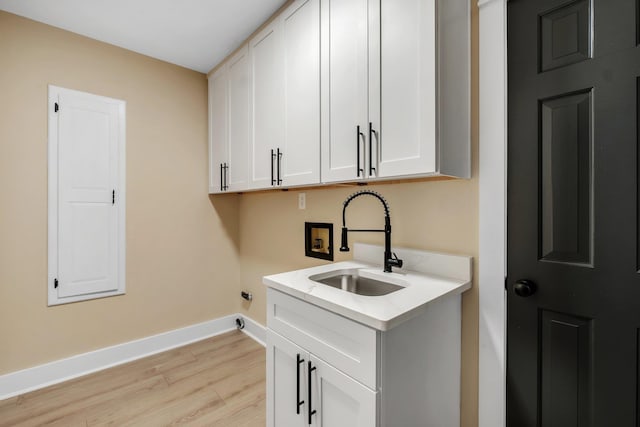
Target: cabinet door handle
(221, 178)
(273, 156)
(299, 402)
(372, 169)
(279, 180)
(359, 136)
(226, 176)
(310, 369)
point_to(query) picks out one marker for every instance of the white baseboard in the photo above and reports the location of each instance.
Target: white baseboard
(255, 330)
(26, 380)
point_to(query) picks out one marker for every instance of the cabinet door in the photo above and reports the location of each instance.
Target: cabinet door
(339, 400)
(344, 88)
(286, 382)
(218, 116)
(407, 144)
(238, 122)
(301, 47)
(267, 115)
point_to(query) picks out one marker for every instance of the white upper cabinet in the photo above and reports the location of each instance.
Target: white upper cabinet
(238, 124)
(229, 125)
(344, 91)
(285, 99)
(395, 84)
(407, 139)
(218, 107)
(345, 88)
(267, 114)
(300, 160)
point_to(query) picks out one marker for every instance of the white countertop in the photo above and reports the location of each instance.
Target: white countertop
(426, 277)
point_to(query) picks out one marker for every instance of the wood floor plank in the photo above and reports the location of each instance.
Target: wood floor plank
(237, 383)
(8, 403)
(218, 381)
(248, 409)
(57, 408)
(221, 361)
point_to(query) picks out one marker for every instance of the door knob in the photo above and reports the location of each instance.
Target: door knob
(525, 288)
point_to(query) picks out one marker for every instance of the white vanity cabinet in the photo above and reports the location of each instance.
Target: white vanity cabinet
(334, 398)
(285, 98)
(229, 124)
(324, 369)
(395, 89)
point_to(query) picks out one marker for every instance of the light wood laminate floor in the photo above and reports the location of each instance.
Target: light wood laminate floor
(216, 382)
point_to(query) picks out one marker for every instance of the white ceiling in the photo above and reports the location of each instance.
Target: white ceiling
(195, 34)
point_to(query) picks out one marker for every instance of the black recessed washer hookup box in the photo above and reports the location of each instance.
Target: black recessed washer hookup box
(318, 240)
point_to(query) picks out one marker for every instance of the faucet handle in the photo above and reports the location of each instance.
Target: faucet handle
(395, 261)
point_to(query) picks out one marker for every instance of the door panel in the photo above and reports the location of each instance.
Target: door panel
(285, 382)
(218, 118)
(267, 115)
(572, 346)
(406, 143)
(566, 369)
(301, 38)
(339, 399)
(344, 87)
(88, 175)
(565, 35)
(565, 188)
(238, 122)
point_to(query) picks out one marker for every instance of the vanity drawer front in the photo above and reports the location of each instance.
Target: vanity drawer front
(343, 343)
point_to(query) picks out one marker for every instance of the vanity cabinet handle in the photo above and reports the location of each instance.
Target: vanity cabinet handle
(359, 137)
(299, 402)
(310, 369)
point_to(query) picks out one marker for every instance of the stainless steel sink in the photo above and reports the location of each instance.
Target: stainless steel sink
(351, 281)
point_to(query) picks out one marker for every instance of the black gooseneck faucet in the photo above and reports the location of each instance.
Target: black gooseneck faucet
(390, 259)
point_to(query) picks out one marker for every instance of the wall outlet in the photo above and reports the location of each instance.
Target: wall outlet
(302, 200)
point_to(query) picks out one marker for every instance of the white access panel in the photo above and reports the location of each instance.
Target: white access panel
(86, 196)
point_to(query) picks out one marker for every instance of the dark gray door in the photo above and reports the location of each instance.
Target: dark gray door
(573, 283)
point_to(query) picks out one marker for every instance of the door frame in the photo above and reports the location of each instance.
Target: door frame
(492, 57)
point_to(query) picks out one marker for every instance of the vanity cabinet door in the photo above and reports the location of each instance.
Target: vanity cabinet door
(339, 400)
(286, 382)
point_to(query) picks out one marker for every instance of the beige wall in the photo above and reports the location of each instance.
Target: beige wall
(433, 215)
(182, 251)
